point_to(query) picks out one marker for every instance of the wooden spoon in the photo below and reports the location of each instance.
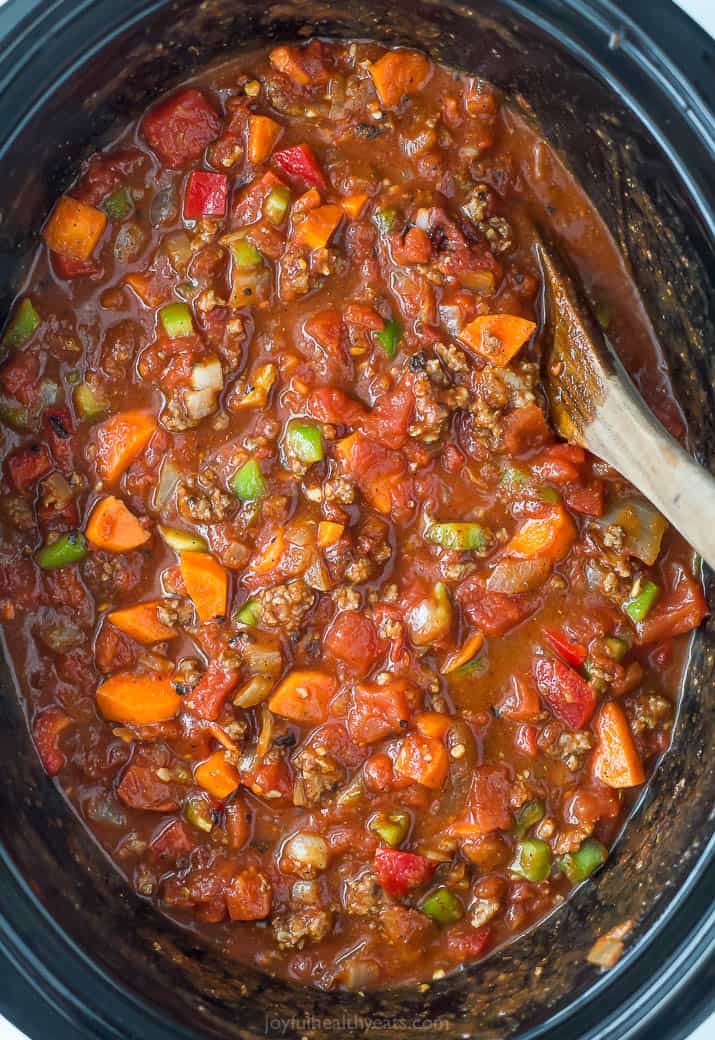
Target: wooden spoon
(595, 404)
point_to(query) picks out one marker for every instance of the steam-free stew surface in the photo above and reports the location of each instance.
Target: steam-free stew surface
(343, 656)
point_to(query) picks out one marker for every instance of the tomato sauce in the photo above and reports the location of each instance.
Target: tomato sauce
(348, 662)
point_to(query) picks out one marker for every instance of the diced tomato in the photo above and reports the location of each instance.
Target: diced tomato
(521, 701)
(587, 499)
(212, 690)
(560, 463)
(248, 207)
(390, 417)
(423, 759)
(376, 469)
(27, 465)
(412, 247)
(141, 788)
(68, 267)
(180, 128)
(270, 780)
(112, 650)
(525, 429)
(680, 609)
(378, 773)
(662, 654)
(328, 404)
(568, 696)
(325, 328)
(55, 519)
(171, 842)
(353, 639)
(300, 162)
(248, 896)
(20, 376)
(399, 872)
(46, 730)
(377, 711)
(525, 740)
(493, 613)
(573, 653)
(487, 803)
(58, 429)
(206, 195)
(466, 943)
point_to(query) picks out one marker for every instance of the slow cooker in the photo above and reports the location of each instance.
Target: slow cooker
(625, 92)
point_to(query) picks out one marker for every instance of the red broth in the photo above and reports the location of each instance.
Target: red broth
(347, 661)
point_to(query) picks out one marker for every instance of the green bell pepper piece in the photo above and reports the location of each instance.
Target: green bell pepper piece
(276, 205)
(617, 647)
(392, 827)
(245, 255)
(389, 337)
(640, 606)
(533, 812)
(119, 204)
(549, 494)
(68, 548)
(385, 219)
(176, 320)
(24, 322)
(579, 865)
(198, 813)
(532, 859)
(459, 536)
(88, 402)
(249, 614)
(513, 475)
(442, 906)
(247, 482)
(304, 441)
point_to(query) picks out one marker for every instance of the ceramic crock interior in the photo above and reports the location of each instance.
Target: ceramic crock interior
(657, 228)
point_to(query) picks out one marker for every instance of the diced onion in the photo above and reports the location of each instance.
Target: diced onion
(253, 692)
(168, 479)
(308, 850)
(199, 403)
(207, 374)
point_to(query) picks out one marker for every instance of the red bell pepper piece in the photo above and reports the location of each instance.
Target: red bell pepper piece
(299, 161)
(212, 690)
(568, 696)
(206, 195)
(573, 653)
(398, 872)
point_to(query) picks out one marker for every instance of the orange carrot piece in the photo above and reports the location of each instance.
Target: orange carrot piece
(318, 226)
(551, 536)
(399, 73)
(286, 60)
(423, 759)
(263, 132)
(206, 583)
(469, 649)
(142, 623)
(270, 554)
(113, 527)
(497, 337)
(433, 724)
(616, 761)
(307, 201)
(329, 533)
(303, 697)
(120, 440)
(137, 699)
(74, 229)
(353, 205)
(147, 287)
(217, 776)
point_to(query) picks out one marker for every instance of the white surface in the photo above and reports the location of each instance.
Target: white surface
(703, 11)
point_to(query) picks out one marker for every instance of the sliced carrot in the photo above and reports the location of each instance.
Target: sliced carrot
(120, 440)
(399, 73)
(113, 527)
(142, 623)
(217, 776)
(308, 200)
(318, 226)
(74, 229)
(550, 536)
(616, 761)
(423, 759)
(263, 132)
(286, 60)
(469, 649)
(353, 205)
(497, 337)
(148, 288)
(206, 583)
(329, 533)
(433, 724)
(137, 699)
(303, 696)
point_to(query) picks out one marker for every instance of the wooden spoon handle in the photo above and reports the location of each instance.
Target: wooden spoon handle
(625, 435)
